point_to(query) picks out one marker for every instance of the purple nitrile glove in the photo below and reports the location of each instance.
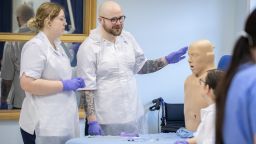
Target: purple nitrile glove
(4, 105)
(94, 128)
(181, 142)
(176, 56)
(73, 84)
(126, 134)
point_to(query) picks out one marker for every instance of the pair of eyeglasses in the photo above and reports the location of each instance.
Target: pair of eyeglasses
(202, 82)
(114, 20)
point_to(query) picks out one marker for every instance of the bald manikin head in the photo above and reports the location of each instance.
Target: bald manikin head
(201, 57)
(108, 12)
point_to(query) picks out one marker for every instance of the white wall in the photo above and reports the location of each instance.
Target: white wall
(162, 26)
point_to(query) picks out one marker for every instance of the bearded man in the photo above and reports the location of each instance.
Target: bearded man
(108, 61)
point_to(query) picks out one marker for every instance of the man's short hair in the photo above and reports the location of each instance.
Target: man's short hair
(25, 12)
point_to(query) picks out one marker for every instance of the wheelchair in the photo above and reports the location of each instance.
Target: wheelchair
(172, 115)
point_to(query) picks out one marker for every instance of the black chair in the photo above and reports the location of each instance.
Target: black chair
(172, 117)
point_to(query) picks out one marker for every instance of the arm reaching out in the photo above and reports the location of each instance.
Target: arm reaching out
(151, 66)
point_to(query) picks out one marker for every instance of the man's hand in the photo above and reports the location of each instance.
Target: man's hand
(176, 56)
(94, 128)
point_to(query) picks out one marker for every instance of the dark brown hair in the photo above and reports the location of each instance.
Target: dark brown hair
(213, 78)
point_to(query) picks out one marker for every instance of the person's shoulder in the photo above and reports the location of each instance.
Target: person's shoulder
(89, 44)
(92, 43)
(248, 72)
(34, 44)
(34, 41)
(89, 47)
(126, 34)
(245, 76)
(190, 78)
(93, 39)
(252, 68)
(188, 81)
(25, 29)
(8, 44)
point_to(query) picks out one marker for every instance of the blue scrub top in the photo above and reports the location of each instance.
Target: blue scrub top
(240, 110)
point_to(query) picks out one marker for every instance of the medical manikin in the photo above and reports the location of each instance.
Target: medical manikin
(201, 59)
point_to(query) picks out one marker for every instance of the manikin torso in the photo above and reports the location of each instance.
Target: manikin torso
(201, 59)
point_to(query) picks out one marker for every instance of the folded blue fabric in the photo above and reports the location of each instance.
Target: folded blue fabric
(184, 133)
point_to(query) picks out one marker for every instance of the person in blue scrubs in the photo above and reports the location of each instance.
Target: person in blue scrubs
(236, 98)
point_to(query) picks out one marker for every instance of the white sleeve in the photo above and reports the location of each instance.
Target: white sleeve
(206, 130)
(86, 65)
(210, 127)
(33, 60)
(7, 71)
(198, 130)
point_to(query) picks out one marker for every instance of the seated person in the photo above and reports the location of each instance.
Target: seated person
(206, 130)
(201, 59)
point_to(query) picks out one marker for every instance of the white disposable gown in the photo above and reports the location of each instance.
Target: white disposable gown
(110, 68)
(54, 118)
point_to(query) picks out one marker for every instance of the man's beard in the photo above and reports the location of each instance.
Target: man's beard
(115, 30)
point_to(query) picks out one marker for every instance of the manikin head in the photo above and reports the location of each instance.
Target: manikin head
(201, 57)
(111, 18)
